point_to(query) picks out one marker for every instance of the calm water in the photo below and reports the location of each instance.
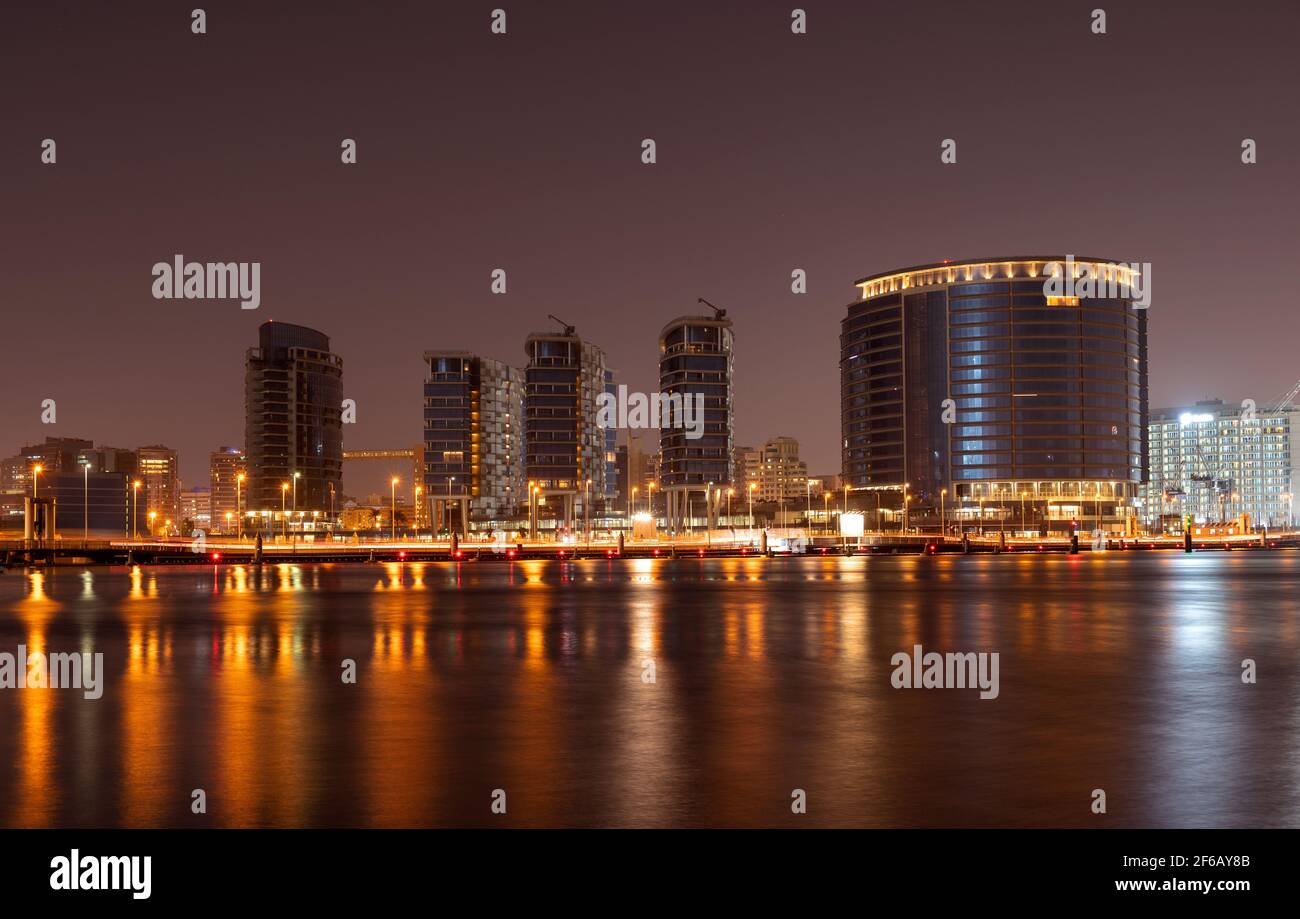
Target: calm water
(1119, 672)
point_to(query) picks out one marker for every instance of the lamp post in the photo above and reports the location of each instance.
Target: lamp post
(752, 486)
(586, 509)
(85, 503)
(152, 516)
(631, 505)
(296, 477)
(228, 516)
(826, 512)
(239, 493)
(36, 475)
(284, 521)
(650, 498)
(943, 520)
(807, 487)
(393, 522)
(708, 515)
(730, 492)
(135, 501)
(906, 499)
(450, 481)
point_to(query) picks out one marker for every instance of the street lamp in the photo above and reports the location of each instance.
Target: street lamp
(36, 475)
(631, 505)
(284, 521)
(135, 500)
(85, 503)
(239, 515)
(826, 511)
(752, 486)
(943, 521)
(296, 477)
(394, 502)
(450, 480)
(650, 498)
(152, 516)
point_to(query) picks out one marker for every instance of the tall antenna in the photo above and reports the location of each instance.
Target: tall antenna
(721, 313)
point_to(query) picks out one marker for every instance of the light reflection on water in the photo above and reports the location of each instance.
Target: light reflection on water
(1119, 672)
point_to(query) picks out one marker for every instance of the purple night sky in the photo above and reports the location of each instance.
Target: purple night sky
(775, 151)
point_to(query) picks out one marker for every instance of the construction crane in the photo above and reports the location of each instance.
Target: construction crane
(721, 313)
(568, 329)
(1281, 405)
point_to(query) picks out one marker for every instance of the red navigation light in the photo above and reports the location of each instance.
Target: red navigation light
(701, 553)
(561, 553)
(401, 555)
(510, 553)
(1040, 547)
(216, 556)
(459, 554)
(609, 553)
(656, 553)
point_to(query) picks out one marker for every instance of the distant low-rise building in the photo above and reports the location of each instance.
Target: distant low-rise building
(196, 509)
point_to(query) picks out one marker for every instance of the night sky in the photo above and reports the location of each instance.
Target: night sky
(775, 151)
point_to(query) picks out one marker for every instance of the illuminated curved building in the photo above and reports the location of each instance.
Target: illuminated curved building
(1015, 388)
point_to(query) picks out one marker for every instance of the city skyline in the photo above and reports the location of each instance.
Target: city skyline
(584, 229)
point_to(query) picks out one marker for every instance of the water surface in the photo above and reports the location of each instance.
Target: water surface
(1119, 671)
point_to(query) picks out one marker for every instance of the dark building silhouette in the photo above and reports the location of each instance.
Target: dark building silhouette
(565, 452)
(696, 359)
(293, 396)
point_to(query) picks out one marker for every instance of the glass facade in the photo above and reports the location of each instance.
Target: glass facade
(565, 447)
(293, 404)
(987, 386)
(695, 359)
